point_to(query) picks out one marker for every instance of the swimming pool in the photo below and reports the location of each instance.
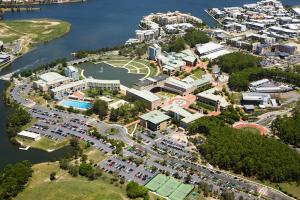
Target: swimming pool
(83, 105)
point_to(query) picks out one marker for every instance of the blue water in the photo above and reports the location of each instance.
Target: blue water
(76, 104)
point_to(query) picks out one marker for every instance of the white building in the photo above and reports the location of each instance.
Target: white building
(89, 83)
(50, 80)
(29, 135)
(211, 98)
(211, 50)
(72, 72)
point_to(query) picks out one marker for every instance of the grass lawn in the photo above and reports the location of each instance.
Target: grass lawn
(94, 155)
(67, 187)
(44, 143)
(38, 30)
(290, 188)
(197, 73)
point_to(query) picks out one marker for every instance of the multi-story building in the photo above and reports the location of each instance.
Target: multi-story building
(211, 98)
(155, 120)
(72, 72)
(153, 51)
(151, 99)
(89, 83)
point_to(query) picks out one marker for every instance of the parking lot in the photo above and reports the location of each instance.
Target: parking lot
(126, 169)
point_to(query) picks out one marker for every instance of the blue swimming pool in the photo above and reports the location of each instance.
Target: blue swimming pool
(76, 104)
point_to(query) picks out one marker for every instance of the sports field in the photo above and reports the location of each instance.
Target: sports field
(157, 182)
(181, 192)
(169, 187)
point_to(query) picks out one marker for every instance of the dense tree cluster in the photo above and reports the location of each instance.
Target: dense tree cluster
(100, 108)
(237, 61)
(135, 190)
(194, 36)
(246, 152)
(175, 45)
(13, 179)
(288, 128)
(127, 111)
(17, 118)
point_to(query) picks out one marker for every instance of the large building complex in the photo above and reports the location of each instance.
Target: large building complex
(89, 83)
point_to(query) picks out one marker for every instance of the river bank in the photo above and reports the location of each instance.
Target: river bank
(21, 36)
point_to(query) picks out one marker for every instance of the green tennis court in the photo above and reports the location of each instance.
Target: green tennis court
(181, 192)
(169, 187)
(157, 182)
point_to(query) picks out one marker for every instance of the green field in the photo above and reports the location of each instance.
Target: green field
(44, 143)
(67, 187)
(132, 65)
(37, 30)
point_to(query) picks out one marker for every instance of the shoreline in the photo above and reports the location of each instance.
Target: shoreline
(27, 44)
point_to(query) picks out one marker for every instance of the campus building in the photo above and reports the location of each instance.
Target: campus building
(180, 114)
(155, 120)
(151, 99)
(211, 50)
(72, 72)
(178, 86)
(89, 83)
(50, 80)
(153, 51)
(211, 98)
(29, 135)
(256, 99)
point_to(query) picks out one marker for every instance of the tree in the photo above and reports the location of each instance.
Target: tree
(176, 45)
(135, 190)
(100, 108)
(53, 176)
(13, 179)
(237, 61)
(247, 153)
(194, 36)
(85, 169)
(287, 127)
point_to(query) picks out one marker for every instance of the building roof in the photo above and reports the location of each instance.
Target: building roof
(155, 117)
(178, 83)
(192, 118)
(209, 94)
(52, 77)
(216, 54)
(259, 82)
(149, 96)
(255, 96)
(208, 47)
(29, 134)
(72, 68)
(177, 109)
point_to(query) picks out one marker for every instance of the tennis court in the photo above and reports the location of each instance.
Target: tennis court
(181, 192)
(169, 187)
(157, 182)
